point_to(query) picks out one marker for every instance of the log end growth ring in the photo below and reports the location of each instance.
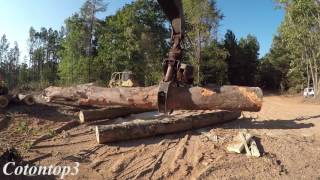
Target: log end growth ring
(4, 101)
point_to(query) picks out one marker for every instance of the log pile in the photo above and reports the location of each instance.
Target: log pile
(224, 103)
(26, 99)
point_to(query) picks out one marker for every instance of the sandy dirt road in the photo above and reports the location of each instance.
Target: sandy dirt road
(286, 130)
(285, 115)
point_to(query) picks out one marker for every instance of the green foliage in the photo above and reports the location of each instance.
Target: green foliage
(23, 127)
(73, 67)
(202, 19)
(133, 39)
(79, 47)
(242, 60)
(51, 133)
(136, 38)
(295, 51)
(214, 66)
(27, 145)
(274, 67)
(9, 59)
(43, 57)
(269, 77)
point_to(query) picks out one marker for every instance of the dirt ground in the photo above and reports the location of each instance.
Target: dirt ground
(286, 130)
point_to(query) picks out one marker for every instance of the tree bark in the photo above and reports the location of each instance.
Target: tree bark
(233, 98)
(107, 113)
(140, 129)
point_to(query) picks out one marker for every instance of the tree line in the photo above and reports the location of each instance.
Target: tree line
(136, 38)
(9, 59)
(293, 61)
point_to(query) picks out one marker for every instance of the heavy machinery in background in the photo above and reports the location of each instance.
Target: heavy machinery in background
(123, 79)
(175, 73)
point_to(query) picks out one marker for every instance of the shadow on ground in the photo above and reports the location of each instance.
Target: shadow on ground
(241, 123)
(42, 111)
(251, 123)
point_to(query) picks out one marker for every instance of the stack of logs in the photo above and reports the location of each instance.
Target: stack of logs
(226, 104)
(27, 99)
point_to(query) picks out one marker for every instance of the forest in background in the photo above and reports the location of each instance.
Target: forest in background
(88, 49)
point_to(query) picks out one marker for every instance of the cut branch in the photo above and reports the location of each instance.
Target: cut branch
(140, 129)
(233, 98)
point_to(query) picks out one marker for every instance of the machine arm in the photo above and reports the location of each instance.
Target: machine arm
(174, 11)
(175, 73)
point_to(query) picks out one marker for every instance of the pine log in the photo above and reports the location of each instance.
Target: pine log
(233, 98)
(107, 113)
(140, 129)
(27, 99)
(4, 101)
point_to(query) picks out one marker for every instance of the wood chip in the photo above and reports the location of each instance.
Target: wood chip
(237, 145)
(254, 148)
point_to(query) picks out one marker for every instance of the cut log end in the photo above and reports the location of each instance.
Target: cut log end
(27, 99)
(98, 135)
(81, 117)
(4, 101)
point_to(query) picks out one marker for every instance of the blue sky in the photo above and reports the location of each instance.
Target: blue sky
(257, 17)
(260, 18)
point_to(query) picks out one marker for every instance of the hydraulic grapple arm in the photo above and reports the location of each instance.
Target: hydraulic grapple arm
(174, 72)
(174, 11)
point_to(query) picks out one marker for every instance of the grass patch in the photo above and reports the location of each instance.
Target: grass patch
(23, 127)
(51, 133)
(27, 145)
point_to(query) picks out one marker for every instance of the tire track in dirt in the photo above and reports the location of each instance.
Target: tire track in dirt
(137, 166)
(128, 164)
(191, 155)
(179, 155)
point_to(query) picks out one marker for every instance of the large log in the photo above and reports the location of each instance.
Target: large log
(233, 98)
(140, 129)
(107, 113)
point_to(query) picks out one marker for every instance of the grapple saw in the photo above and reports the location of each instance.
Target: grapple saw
(175, 72)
